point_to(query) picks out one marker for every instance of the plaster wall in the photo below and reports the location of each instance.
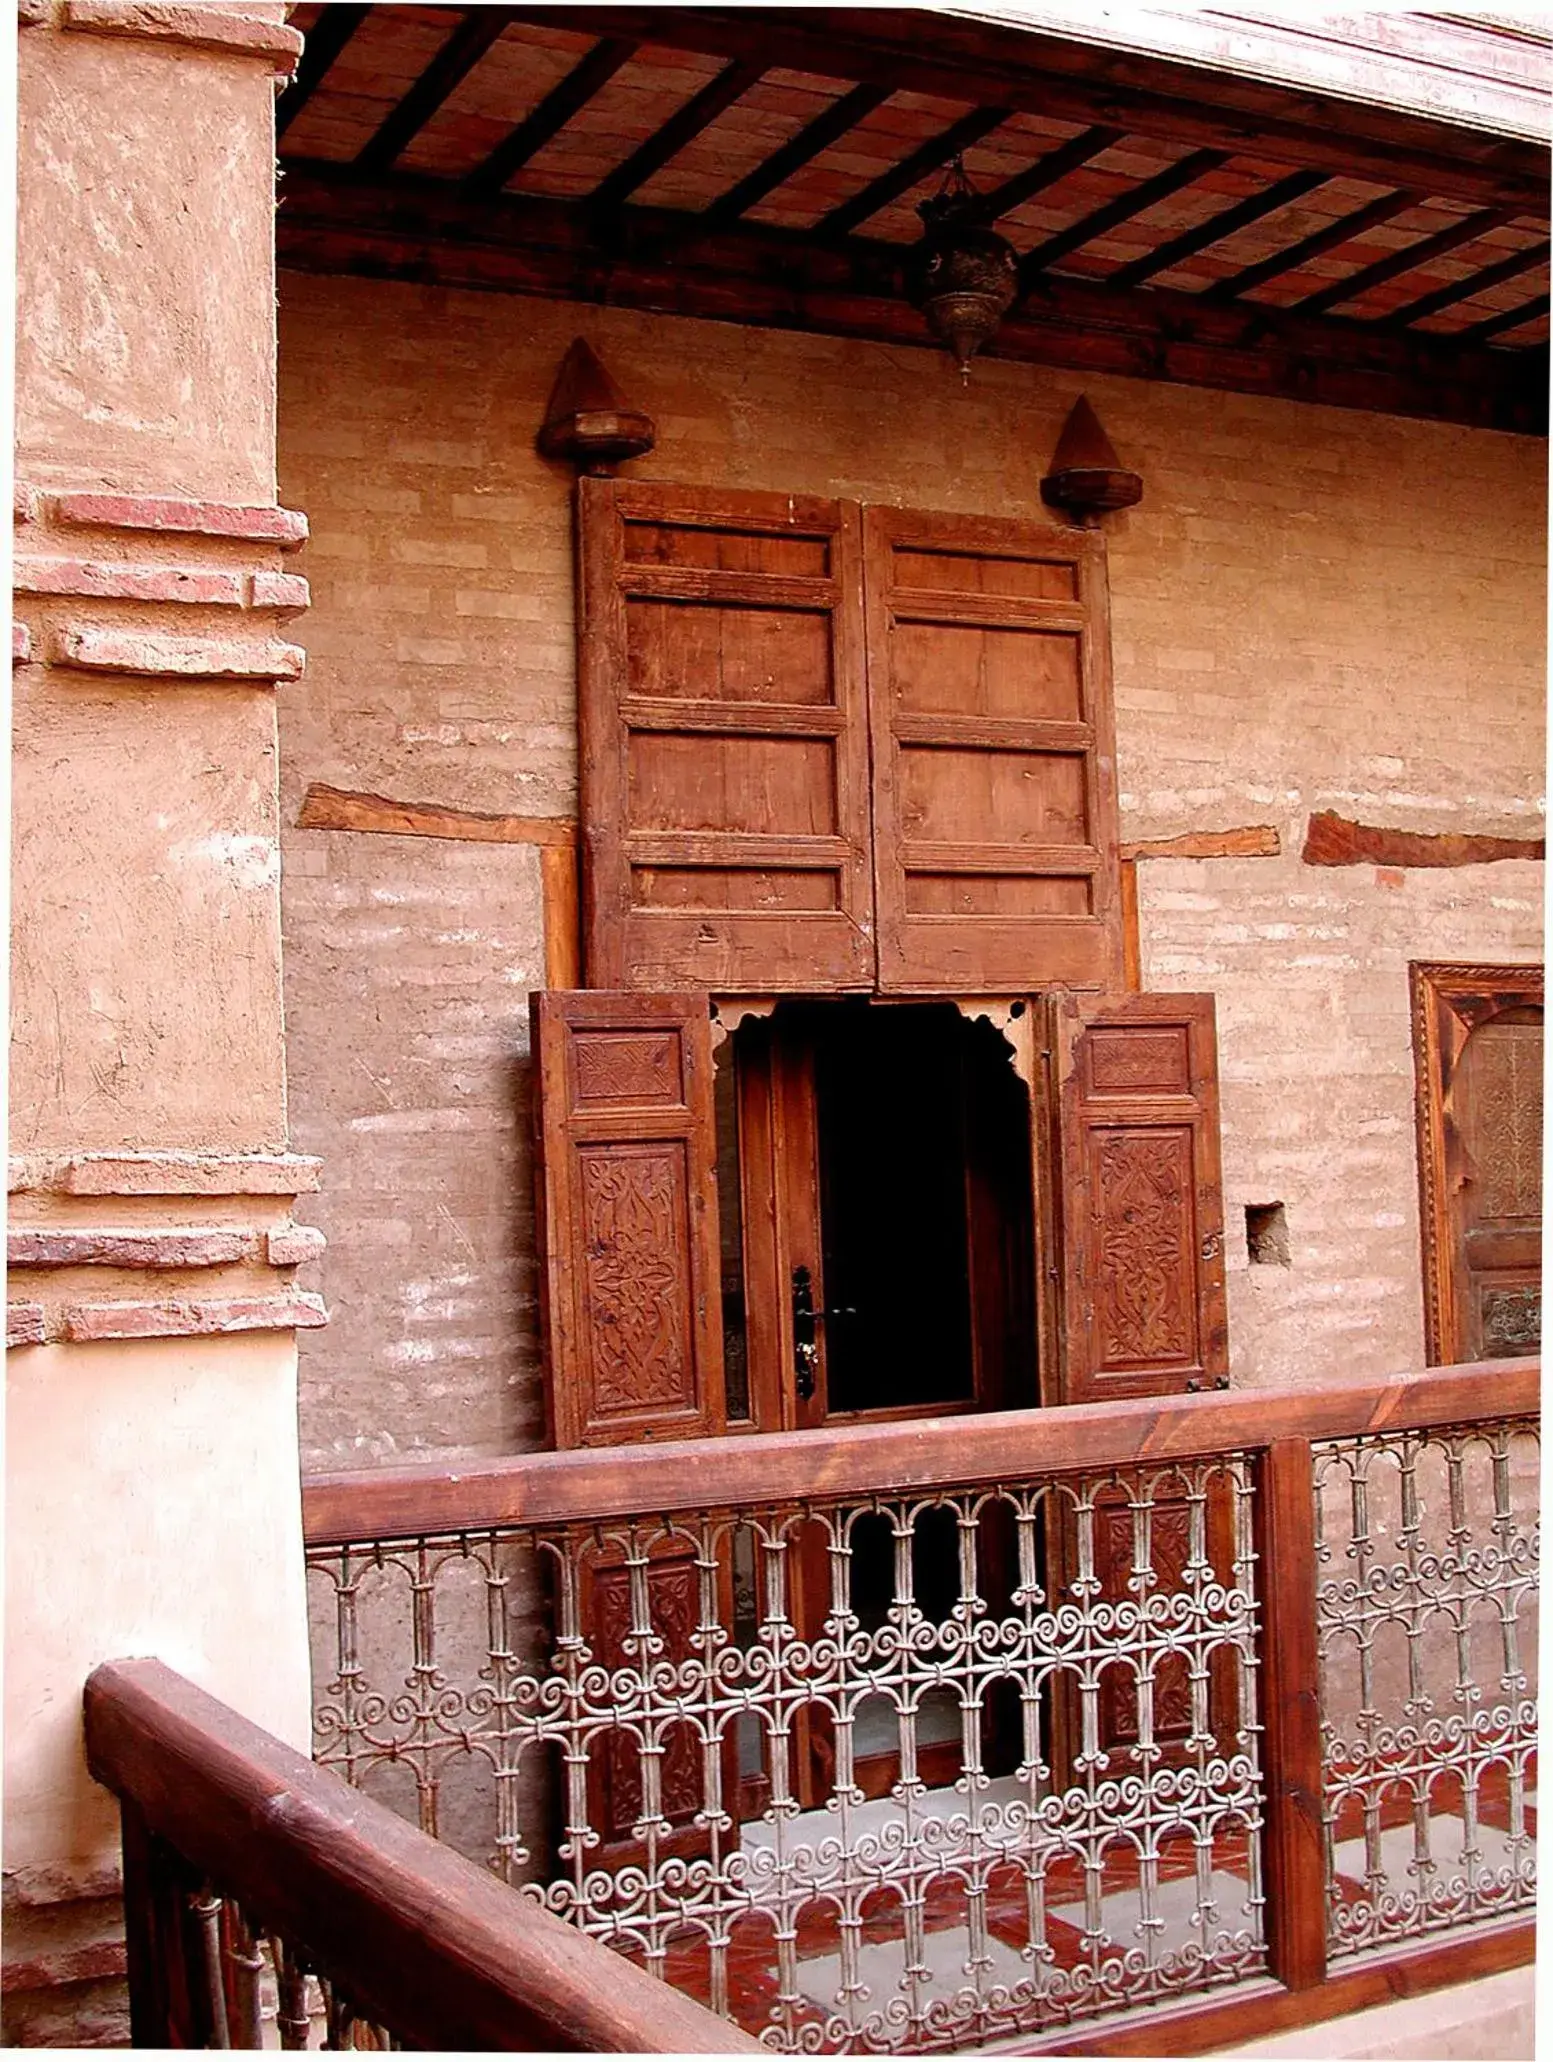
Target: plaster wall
(152, 1502)
(1310, 609)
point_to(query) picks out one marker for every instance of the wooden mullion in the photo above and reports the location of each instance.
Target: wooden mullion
(1424, 252)
(1046, 171)
(453, 63)
(586, 78)
(682, 128)
(1370, 216)
(826, 128)
(1294, 1840)
(1281, 194)
(927, 157)
(1134, 202)
(1475, 283)
(324, 41)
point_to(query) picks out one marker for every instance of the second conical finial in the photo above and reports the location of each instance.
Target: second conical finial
(1087, 479)
(588, 421)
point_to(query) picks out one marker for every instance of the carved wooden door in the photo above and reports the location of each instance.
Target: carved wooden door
(627, 1211)
(724, 741)
(1478, 1050)
(1142, 1238)
(994, 810)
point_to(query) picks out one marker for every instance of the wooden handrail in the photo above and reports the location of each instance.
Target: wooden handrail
(664, 1476)
(429, 1944)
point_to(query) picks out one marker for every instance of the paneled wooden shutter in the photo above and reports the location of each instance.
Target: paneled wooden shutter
(993, 761)
(724, 741)
(1142, 1206)
(627, 1209)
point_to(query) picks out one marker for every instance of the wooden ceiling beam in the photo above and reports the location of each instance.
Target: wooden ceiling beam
(1227, 223)
(1134, 202)
(682, 127)
(916, 165)
(1040, 73)
(828, 127)
(1386, 209)
(1509, 318)
(321, 46)
(665, 261)
(1475, 283)
(462, 51)
(586, 78)
(1408, 259)
(1047, 170)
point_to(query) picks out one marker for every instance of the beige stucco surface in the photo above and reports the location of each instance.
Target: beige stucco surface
(1311, 609)
(153, 1507)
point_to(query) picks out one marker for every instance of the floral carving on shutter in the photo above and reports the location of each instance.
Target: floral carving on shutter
(724, 735)
(628, 1214)
(1142, 1211)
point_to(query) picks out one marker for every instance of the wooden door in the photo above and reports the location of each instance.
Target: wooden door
(994, 803)
(1478, 1055)
(724, 774)
(1141, 1231)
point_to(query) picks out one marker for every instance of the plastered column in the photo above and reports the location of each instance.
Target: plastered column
(152, 1498)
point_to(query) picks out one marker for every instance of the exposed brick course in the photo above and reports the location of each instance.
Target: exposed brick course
(178, 1319)
(160, 656)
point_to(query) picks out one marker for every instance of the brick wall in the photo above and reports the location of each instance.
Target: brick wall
(1311, 609)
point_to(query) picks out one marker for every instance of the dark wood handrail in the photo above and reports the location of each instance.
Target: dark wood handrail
(864, 1460)
(429, 1944)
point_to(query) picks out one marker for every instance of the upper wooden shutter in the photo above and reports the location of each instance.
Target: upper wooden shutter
(1142, 1206)
(724, 741)
(627, 1208)
(993, 760)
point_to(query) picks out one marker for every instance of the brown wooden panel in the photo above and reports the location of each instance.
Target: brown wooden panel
(1142, 1210)
(990, 714)
(721, 695)
(1478, 1044)
(628, 1215)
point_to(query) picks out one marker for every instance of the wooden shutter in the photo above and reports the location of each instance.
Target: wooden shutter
(993, 761)
(627, 1209)
(724, 741)
(1141, 1207)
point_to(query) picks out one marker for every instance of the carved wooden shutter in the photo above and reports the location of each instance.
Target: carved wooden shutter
(1142, 1207)
(627, 1209)
(994, 784)
(724, 741)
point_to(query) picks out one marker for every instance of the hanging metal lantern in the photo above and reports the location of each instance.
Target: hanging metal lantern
(962, 275)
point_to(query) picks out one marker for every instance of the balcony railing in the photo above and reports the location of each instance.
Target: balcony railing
(1168, 1720)
(268, 1905)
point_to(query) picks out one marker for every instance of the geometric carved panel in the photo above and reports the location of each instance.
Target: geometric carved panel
(634, 1236)
(1144, 1199)
(627, 1067)
(1500, 1080)
(1133, 1062)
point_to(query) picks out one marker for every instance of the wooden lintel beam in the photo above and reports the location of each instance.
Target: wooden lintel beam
(322, 45)
(1395, 263)
(1333, 840)
(1280, 194)
(664, 261)
(586, 78)
(960, 135)
(827, 128)
(1475, 283)
(1248, 841)
(462, 51)
(682, 127)
(1063, 79)
(326, 808)
(1134, 202)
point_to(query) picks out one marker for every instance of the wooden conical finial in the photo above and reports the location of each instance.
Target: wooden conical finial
(1087, 478)
(588, 421)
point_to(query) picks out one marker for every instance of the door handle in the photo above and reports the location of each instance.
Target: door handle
(806, 1320)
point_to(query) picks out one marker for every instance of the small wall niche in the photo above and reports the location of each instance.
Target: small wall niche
(1267, 1234)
